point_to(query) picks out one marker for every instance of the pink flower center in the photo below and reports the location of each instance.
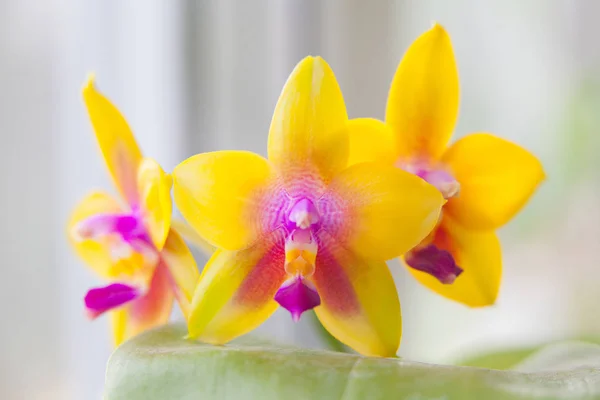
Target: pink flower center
(298, 294)
(303, 214)
(124, 234)
(429, 258)
(438, 177)
(132, 253)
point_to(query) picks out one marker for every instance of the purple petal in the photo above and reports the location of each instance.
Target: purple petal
(100, 300)
(434, 261)
(296, 295)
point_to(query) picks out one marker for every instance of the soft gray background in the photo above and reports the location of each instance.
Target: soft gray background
(205, 75)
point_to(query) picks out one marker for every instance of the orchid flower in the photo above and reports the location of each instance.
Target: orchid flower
(130, 245)
(486, 179)
(301, 230)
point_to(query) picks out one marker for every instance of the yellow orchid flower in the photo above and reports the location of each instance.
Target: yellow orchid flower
(133, 247)
(300, 229)
(486, 180)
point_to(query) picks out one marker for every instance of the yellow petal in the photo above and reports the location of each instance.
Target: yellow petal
(496, 178)
(179, 260)
(94, 253)
(422, 105)
(308, 130)
(236, 289)
(155, 200)
(221, 195)
(118, 145)
(118, 322)
(478, 254)
(371, 140)
(359, 302)
(147, 312)
(379, 211)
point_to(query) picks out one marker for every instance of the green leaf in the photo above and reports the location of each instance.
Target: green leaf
(161, 365)
(505, 359)
(510, 358)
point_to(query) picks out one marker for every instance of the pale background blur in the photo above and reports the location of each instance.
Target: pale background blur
(197, 76)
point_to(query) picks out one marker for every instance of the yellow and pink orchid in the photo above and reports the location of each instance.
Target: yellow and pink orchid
(301, 229)
(486, 180)
(132, 246)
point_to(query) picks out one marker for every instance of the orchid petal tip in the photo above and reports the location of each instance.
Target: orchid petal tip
(90, 82)
(296, 316)
(435, 25)
(91, 315)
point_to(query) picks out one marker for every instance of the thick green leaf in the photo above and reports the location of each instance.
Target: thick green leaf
(161, 365)
(505, 359)
(509, 358)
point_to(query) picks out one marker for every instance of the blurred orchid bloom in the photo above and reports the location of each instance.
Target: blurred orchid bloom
(486, 180)
(300, 229)
(133, 246)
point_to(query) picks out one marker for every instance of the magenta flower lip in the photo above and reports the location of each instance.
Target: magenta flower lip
(297, 296)
(100, 300)
(436, 262)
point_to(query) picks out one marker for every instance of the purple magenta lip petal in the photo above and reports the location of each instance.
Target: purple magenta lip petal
(436, 262)
(100, 300)
(297, 296)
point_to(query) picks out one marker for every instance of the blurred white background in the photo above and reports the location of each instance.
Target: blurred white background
(205, 75)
